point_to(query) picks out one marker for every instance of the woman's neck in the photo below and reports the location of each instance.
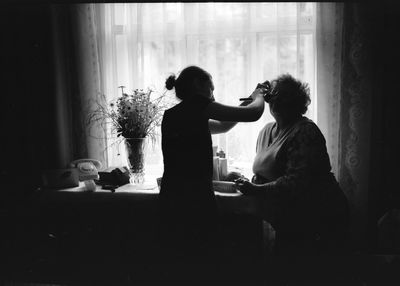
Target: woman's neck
(283, 123)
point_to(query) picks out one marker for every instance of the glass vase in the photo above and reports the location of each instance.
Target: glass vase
(135, 150)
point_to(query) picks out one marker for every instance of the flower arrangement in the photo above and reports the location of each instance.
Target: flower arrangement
(131, 118)
(133, 115)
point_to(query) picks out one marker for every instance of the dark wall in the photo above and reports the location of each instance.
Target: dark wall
(385, 108)
(27, 123)
(383, 22)
(390, 51)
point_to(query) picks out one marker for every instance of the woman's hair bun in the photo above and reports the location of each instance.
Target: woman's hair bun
(170, 82)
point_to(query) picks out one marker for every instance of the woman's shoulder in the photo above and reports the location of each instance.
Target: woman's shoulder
(265, 132)
(308, 128)
(306, 123)
(267, 127)
(171, 114)
(197, 101)
(173, 109)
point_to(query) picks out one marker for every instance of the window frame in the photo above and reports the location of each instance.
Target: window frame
(257, 29)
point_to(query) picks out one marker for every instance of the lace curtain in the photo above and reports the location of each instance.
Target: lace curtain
(345, 88)
(240, 44)
(357, 90)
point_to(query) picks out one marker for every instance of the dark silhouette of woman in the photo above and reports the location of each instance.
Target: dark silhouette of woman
(188, 210)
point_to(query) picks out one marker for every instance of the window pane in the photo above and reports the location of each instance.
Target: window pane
(287, 10)
(152, 18)
(232, 59)
(306, 57)
(121, 52)
(306, 9)
(173, 56)
(268, 54)
(120, 14)
(207, 54)
(231, 11)
(306, 67)
(172, 12)
(287, 52)
(287, 15)
(206, 12)
(153, 64)
(268, 12)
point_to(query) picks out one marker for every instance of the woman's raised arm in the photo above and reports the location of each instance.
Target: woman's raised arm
(249, 113)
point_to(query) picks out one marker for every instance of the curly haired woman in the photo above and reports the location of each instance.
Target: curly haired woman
(298, 193)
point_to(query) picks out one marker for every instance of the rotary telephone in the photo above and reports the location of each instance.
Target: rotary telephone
(88, 171)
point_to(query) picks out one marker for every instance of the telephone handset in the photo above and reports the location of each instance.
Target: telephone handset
(88, 171)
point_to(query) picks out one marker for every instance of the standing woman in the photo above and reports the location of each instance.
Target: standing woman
(188, 208)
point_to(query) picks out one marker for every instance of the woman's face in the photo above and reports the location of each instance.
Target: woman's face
(271, 102)
(205, 88)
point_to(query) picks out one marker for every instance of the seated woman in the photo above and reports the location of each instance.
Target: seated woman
(299, 194)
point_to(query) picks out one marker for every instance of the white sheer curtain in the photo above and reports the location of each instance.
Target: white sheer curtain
(240, 44)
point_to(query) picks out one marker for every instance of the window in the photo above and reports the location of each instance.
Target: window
(240, 44)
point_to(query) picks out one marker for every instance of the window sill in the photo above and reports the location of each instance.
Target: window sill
(235, 203)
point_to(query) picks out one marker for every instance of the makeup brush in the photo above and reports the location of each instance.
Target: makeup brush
(265, 84)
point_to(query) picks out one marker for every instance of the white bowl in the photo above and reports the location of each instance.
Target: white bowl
(224, 187)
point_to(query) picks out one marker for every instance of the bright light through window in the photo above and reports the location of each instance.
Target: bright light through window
(240, 44)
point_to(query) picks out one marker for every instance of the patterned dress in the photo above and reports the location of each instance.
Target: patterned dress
(304, 204)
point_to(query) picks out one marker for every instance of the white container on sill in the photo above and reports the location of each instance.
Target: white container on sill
(222, 168)
(216, 168)
(224, 187)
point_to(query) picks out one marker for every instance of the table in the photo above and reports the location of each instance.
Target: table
(70, 235)
(234, 203)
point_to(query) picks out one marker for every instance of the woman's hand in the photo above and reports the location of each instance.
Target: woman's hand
(259, 92)
(246, 187)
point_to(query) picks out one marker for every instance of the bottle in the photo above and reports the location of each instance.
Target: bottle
(223, 168)
(222, 165)
(216, 168)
